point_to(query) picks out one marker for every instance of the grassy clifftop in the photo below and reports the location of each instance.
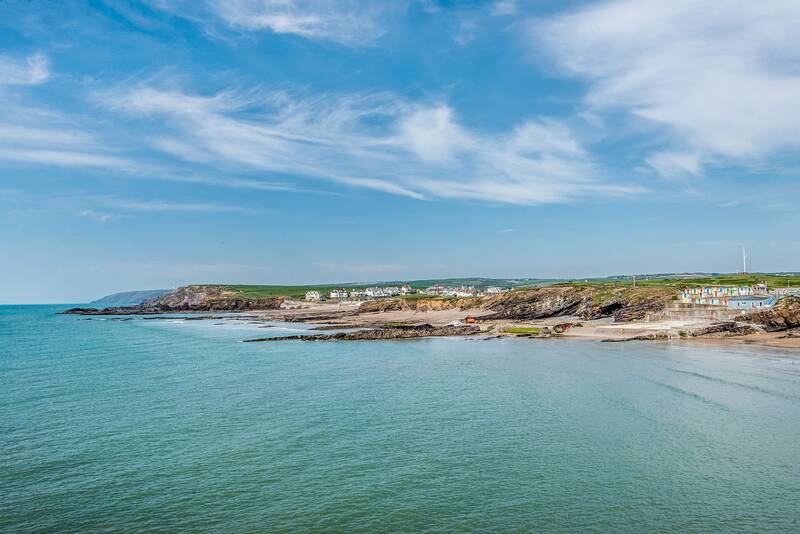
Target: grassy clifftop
(773, 281)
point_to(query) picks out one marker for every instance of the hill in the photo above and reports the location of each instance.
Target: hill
(129, 298)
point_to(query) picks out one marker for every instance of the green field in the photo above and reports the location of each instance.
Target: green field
(773, 281)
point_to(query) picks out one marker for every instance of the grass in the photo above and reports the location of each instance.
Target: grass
(522, 331)
(773, 281)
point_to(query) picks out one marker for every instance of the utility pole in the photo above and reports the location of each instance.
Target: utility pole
(744, 261)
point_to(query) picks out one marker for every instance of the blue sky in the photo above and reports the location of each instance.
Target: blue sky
(156, 143)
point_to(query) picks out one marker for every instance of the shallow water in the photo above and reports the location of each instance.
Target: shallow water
(176, 425)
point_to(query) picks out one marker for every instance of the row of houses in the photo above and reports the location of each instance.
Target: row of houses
(732, 297)
(440, 290)
(370, 292)
(437, 290)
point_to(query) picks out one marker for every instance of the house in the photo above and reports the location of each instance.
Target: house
(494, 290)
(407, 290)
(391, 291)
(437, 289)
(760, 289)
(339, 293)
(462, 292)
(313, 296)
(751, 302)
(358, 293)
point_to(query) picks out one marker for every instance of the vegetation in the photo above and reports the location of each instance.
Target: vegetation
(522, 331)
(773, 281)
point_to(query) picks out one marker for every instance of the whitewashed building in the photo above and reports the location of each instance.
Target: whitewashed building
(313, 296)
(494, 290)
(339, 293)
(437, 289)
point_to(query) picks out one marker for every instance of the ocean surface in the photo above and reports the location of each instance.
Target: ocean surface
(148, 425)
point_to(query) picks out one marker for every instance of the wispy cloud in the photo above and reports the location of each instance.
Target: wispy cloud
(348, 22)
(720, 77)
(160, 206)
(504, 7)
(31, 70)
(377, 141)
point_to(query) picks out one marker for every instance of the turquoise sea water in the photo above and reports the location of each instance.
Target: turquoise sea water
(176, 426)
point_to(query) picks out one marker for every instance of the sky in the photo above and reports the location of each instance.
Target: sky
(156, 143)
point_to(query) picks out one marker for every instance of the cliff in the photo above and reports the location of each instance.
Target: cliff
(191, 298)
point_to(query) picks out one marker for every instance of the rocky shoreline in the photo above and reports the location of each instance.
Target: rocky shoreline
(601, 313)
(409, 332)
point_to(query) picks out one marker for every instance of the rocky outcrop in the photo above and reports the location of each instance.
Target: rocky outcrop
(785, 315)
(726, 329)
(402, 332)
(192, 298)
(538, 303)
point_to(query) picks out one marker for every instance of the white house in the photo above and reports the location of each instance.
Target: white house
(494, 290)
(437, 289)
(751, 302)
(313, 295)
(339, 293)
(358, 293)
(406, 290)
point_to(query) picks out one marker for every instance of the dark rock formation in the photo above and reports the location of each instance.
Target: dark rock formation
(785, 315)
(726, 329)
(537, 303)
(403, 332)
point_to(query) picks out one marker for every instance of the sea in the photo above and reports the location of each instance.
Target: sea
(177, 426)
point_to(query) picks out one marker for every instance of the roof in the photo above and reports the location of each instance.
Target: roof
(750, 297)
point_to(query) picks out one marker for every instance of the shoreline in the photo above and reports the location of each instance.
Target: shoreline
(413, 324)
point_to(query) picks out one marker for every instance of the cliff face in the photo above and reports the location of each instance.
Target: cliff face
(211, 298)
(190, 299)
(537, 303)
(588, 302)
(785, 315)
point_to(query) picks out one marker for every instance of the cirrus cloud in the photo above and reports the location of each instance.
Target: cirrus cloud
(720, 78)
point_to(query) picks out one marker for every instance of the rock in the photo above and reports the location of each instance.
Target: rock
(783, 316)
(397, 332)
(726, 329)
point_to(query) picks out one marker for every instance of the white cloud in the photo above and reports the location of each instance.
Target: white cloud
(675, 165)
(32, 70)
(377, 141)
(348, 22)
(721, 78)
(504, 7)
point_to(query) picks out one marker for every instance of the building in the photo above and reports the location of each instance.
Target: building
(437, 289)
(714, 295)
(760, 289)
(339, 293)
(407, 290)
(313, 295)
(752, 302)
(358, 293)
(494, 290)
(462, 292)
